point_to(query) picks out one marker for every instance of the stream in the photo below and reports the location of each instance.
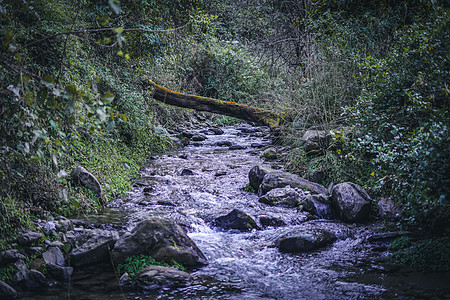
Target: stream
(203, 181)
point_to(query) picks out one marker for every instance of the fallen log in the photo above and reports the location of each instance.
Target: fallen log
(227, 108)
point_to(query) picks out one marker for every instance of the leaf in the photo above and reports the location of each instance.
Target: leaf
(107, 98)
(72, 89)
(29, 99)
(101, 114)
(122, 116)
(127, 56)
(48, 81)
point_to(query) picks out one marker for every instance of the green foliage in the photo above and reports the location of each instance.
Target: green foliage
(400, 243)
(425, 255)
(249, 188)
(7, 272)
(134, 264)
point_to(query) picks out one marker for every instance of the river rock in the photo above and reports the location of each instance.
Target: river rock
(305, 241)
(157, 277)
(256, 175)
(32, 280)
(269, 154)
(187, 172)
(10, 256)
(279, 179)
(54, 256)
(266, 221)
(216, 131)
(236, 220)
(287, 197)
(6, 291)
(315, 141)
(198, 138)
(317, 205)
(59, 273)
(30, 238)
(49, 227)
(350, 202)
(224, 144)
(236, 147)
(82, 177)
(161, 238)
(96, 249)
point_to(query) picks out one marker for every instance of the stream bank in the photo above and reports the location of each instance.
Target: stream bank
(207, 180)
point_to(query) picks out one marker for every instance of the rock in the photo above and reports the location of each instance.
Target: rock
(30, 238)
(224, 144)
(388, 209)
(198, 138)
(187, 172)
(125, 279)
(271, 221)
(236, 147)
(315, 141)
(187, 134)
(10, 256)
(63, 223)
(49, 227)
(317, 176)
(269, 154)
(59, 273)
(157, 277)
(82, 177)
(216, 131)
(163, 239)
(305, 241)
(6, 291)
(96, 249)
(257, 145)
(32, 280)
(256, 175)
(350, 202)
(279, 179)
(54, 256)
(148, 189)
(317, 205)
(220, 173)
(236, 220)
(286, 196)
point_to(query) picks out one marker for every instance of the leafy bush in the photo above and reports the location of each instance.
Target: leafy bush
(134, 264)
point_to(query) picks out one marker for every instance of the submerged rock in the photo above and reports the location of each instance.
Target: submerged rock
(161, 238)
(32, 280)
(187, 172)
(157, 277)
(350, 202)
(286, 196)
(271, 221)
(279, 179)
(305, 241)
(83, 177)
(236, 219)
(6, 291)
(198, 138)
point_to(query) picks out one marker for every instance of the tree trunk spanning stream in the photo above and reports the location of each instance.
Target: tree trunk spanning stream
(232, 109)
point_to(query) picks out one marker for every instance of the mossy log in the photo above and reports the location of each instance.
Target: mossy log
(227, 108)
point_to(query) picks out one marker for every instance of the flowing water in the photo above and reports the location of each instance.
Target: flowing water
(247, 265)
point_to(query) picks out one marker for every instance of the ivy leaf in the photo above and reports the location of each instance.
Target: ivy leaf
(48, 81)
(72, 89)
(107, 98)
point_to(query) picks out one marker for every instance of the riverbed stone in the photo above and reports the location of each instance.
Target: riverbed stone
(287, 197)
(236, 219)
(303, 241)
(95, 249)
(256, 175)
(187, 172)
(54, 256)
(161, 238)
(317, 205)
(6, 291)
(224, 144)
(269, 154)
(83, 177)
(267, 221)
(279, 179)
(198, 138)
(157, 277)
(30, 238)
(350, 202)
(59, 273)
(31, 280)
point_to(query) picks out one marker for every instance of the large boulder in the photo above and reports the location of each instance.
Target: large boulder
(279, 179)
(236, 219)
(350, 202)
(161, 238)
(6, 291)
(32, 280)
(315, 141)
(306, 240)
(83, 177)
(287, 197)
(157, 277)
(96, 248)
(53, 256)
(256, 175)
(317, 205)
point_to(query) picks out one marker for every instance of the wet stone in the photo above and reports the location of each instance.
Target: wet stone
(224, 144)
(187, 172)
(236, 220)
(236, 147)
(267, 221)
